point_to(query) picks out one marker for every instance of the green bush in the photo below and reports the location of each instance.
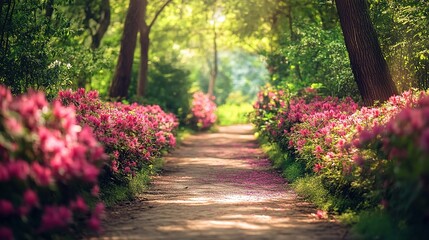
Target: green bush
(229, 114)
(169, 88)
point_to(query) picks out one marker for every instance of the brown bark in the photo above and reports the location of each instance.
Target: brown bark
(49, 9)
(103, 24)
(214, 70)
(369, 67)
(122, 77)
(293, 38)
(144, 61)
(144, 46)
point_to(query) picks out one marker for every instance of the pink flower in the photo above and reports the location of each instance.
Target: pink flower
(30, 198)
(79, 205)
(94, 223)
(4, 173)
(384, 203)
(55, 217)
(90, 173)
(95, 191)
(23, 210)
(114, 166)
(358, 160)
(99, 209)
(160, 138)
(317, 167)
(13, 126)
(318, 150)
(6, 233)
(42, 175)
(364, 137)
(424, 140)
(320, 214)
(341, 143)
(19, 169)
(6, 208)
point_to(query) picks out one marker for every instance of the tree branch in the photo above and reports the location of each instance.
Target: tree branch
(158, 13)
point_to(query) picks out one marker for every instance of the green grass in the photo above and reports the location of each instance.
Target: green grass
(310, 187)
(182, 133)
(365, 224)
(230, 114)
(114, 193)
(291, 170)
(306, 185)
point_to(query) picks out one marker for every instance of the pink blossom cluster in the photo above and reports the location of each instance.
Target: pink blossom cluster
(397, 154)
(132, 135)
(269, 103)
(49, 167)
(203, 111)
(333, 142)
(348, 146)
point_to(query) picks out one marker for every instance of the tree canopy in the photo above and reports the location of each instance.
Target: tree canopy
(53, 45)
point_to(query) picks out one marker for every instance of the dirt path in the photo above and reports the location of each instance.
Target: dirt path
(219, 186)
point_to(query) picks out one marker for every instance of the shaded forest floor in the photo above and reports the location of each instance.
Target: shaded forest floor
(219, 186)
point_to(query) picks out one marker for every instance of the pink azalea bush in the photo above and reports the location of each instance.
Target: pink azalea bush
(368, 156)
(133, 135)
(203, 110)
(268, 106)
(396, 156)
(49, 167)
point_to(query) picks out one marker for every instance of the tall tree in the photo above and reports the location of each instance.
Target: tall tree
(214, 68)
(135, 22)
(122, 77)
(368, 65)
(144, 29)
(99, 14)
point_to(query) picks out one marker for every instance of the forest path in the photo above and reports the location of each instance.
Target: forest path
(219, 186)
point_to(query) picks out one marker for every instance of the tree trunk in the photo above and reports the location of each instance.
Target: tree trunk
(367, 62)
(49, 9)
(214, 70)
(144, 29)
(293, 38)
(122, 77)
(144, 61)
(144, 52)
(103, 24)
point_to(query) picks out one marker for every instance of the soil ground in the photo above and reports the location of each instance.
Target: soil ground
(219, 186)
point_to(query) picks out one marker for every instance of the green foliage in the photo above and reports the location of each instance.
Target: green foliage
(284, 161)
(377, 224)
(311, 188)
(229, 114)
(112, 194)
(240, 72)
(42, 48)
(403, 34)
(319, 56)
(169, 88)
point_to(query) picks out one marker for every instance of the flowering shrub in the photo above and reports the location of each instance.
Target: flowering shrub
(396, 154)
(350, 148)
(49, 167)
(203, 111)
(132, 135)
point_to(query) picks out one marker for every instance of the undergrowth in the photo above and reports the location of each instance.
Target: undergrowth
(112, 194)
(230, 114)
(370, 223)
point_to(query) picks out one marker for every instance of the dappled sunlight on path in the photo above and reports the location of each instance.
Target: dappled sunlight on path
(219, 186)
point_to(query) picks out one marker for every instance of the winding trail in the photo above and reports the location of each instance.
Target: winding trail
(219, 186)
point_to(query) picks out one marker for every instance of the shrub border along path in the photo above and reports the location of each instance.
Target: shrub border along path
(219, 186)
